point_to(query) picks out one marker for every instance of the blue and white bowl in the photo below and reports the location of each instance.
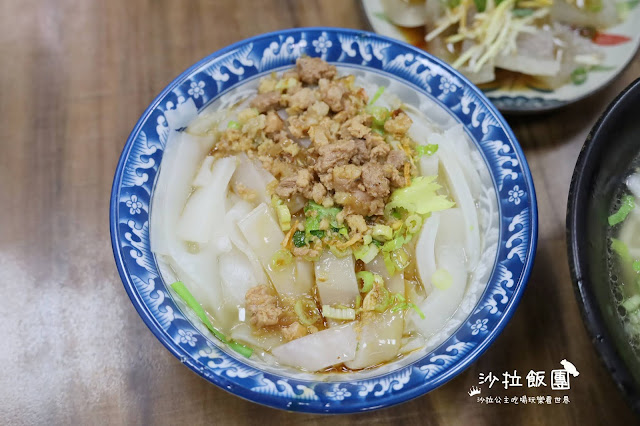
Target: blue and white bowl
(507, 211)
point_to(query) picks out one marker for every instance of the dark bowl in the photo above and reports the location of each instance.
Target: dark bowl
(610, 148)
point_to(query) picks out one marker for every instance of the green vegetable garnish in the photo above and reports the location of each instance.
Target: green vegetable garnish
(342, 313)
(453, 3)
(579, 76)
(302, 307)
(636, 266)
(366, 253)
(632, 303)
(233, 125)
(413, 223)
(382, 232)
(626, 206)
(400, 259)
(379, 115)
(184, 293)
(621, 249)
(368, 279)
(407, 305)
(521, 13)
(377, 95)
(389, 264)
(281, 258)
(315, 213)
(420, 197)
(299, 239)
(481, 5)
(394, 244)
(441, 279)
(317, 233)
(426, 149)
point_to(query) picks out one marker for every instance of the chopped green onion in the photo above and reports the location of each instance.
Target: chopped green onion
(281, 258)
(418, 311)
(397, 297)
(579, 76)
(426, 149)
(377, 243)
(340, 253)
(621, 249)
(284, 217)
(366, 253)
(442, 279)
(317, 233)
(394, 244)
(388, 263)
(452, 4)
(384, 302)
(377, 95)
(299, 239)
(368, 279)
(627, 205)
(302, 307)
(413, 223)
(367, 239)
(379, 115)
(338, 313)
(632, 303)
(233, 125)
(382, 232)
(184, 293)
(400, 259)
(358, 301)
(481, 5)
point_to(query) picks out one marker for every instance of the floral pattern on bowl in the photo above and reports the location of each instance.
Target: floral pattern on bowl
(229, 68)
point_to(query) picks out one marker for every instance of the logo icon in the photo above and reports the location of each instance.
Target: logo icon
(474, 391)
(570, 368)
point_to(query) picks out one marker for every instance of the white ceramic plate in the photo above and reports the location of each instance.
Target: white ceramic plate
(618, 43)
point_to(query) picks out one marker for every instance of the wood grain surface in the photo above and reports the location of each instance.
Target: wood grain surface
(75, 77)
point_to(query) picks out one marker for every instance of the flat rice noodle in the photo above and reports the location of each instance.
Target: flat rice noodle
(236, 273)
(252, 176)
(205, 174)
(425, 250)
(182, 155)
(242, 332)
(320, 350)
(463, 198)
(440, 305)
(241, 209)
(462, 148)
(380, 334)
(336, 279)
(205, 208)
(264, 236)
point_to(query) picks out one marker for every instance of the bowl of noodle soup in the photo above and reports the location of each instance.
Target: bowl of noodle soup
(323, 220)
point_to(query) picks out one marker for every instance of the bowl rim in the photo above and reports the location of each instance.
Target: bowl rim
(590, 311)
(389, 399)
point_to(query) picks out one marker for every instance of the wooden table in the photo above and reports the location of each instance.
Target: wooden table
(75, 77)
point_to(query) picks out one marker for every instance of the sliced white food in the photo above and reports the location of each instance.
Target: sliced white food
(535, 54)
(567, 13)
(380, 334)
(250, 177)
(441, 304)
(236, 273)
(426, 250)
(183, 154)
(336, 279)
(319, 350)
(462, 147)
(243, 333)
(463, 198)
(263, 234)
(205, 208)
